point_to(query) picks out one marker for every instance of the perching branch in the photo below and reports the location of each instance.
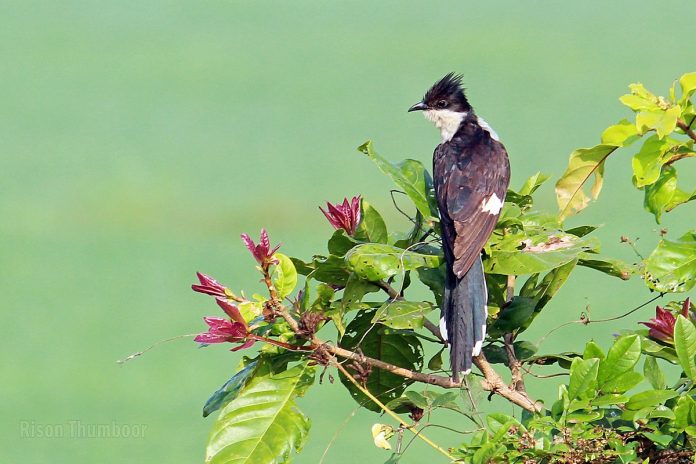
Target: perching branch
(492, 382)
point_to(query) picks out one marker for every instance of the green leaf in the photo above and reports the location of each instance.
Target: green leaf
(583, 373)
(684, 413)
(375, 262)
(442, 399)
(340, 243)
(356, 289)
(659, 196)
(514, 315)
(533, 183)
(649, 398)
(639, 98)
(417, 399)
(609, 266)
(653, 373)
(519, 254)
(331, 270)
(486, 453)
(688, 86)
(434, 279)
(592, 350)
(623, 382)
(584, 163)
(402, 314)
(608, 400)
(620, 135)
(372, 227)
(671, 267)
(662, 121)
(230, 389)
(435, 363)
(278, 428)
(581, 231)
(409, 175)
(685, 345)
(647, 163)
(657, 350)
(402, 349)
(284, 275)
(622, 356)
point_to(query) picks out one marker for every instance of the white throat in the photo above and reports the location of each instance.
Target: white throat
(446, 120)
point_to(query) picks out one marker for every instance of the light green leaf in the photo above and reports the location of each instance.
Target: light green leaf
(684, 413)
(662, 121)
(608, 400)
(622, 383)
(402, 314)
(660, 195)
(284, 275)
(620, 135)
(685, 345)
(639, 98)
(671, 267)
(372, 227)
(649, 398)
(622, 356)
(688, 86)
(584, 163)
(340, 243)
(592, 350)
(583, 373)
(647, 163)
(402, 349)
(278, 428)
(374, 261)
(411, 176)
(533, 183)
(520, 254)
(653, 373)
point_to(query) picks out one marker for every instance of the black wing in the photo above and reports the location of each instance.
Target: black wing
(472, 179)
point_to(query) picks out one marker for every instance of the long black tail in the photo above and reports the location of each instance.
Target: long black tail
(464, 314)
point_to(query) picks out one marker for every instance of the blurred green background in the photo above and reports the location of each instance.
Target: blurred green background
(140, 138)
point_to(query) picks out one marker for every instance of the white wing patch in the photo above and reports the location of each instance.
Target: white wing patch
(484, 125)
(447, 121)
(443, 328)
(493, 205)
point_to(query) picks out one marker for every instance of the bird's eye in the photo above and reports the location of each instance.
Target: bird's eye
(442, 104)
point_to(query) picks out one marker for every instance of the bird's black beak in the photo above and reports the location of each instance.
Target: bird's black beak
(420, 106)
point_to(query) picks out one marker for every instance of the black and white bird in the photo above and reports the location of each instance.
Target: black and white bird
(471, 173)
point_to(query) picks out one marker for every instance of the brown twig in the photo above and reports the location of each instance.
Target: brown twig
(391, 291)
(514, 365)
(687, 130)
(492, 382)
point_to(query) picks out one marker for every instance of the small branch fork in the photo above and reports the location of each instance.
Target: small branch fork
(491, 382)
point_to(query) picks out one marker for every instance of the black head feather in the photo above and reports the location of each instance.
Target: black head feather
(447, 93)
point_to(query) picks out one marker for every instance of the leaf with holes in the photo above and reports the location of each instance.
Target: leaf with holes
(671, 267)
(374, 261)
(403, 314)
(262, 425)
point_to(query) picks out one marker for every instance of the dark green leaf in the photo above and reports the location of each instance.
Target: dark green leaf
(375, 262)
(581, 231)
(435, 363)
(402, 314)
(331, 270)
(515, 315)
(417, 399)
(340, 243)
(403, 350)
(434, 279)
(409, 175)
(671, 267)
(356, 289)
(230, 389)
(610, 266)
(278, 428)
